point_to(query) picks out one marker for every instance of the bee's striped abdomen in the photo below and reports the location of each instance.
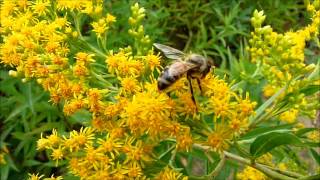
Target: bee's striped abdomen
(165, 79)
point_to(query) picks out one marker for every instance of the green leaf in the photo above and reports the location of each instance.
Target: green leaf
(315, 74)
(315, 155)
(265, 105)
(263, 130)
(31, 162)
(311, 89)
(4, 172)
(303, 131)
(267, 142)
(312, 144)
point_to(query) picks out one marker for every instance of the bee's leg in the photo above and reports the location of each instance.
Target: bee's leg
(199, 84)
(191, 90)
(169, 95)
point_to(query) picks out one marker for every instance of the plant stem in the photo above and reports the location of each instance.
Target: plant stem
(313, 177)
(77, 24)
(218, 168)
(269, 171)
(173, 156)
(265, 169)
(288, 173)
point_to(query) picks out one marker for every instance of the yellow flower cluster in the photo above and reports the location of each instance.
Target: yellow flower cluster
(231, 112)
(41, 177)
(137, 29)
(115, 155)
(282, 61)
(123, 64)
(3, 153)
(250, 173)
(170, 174)
(101, 27)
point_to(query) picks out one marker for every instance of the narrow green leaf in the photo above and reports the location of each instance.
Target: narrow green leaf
(31, 162)
(30, 97)
(312, 144)
(265, 105)
(263, 130)
(315, 155)
(17, 111)
(4, 171)
(267, 142)
(12, 164)
(303, 131)
(315, 74)
(311, 89)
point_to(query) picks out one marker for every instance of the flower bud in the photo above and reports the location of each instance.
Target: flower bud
(13, 73)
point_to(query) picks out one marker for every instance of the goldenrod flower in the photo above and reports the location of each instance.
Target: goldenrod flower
(84, 58)
(250, 173)
(147, 113)
(53, 139)
(57, 154)
(281, 56)
(54, 178)
(289, 116)
(246, 107)
(314, 136)
(130, 85)
(71, 5)
(35, 176)
(217, 140)
(238, 126)
(184, 141)
(153, 61)
(266, 159)
(109, 145)
(79, 139)
(186, 105)
(134, 170)
(170, 174)
(2, 158)
(100, 28)
(110, 19)
(282, 166)
(220, 107)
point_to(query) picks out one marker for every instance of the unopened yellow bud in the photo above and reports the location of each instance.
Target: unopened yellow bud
(13, 73)
(39, 81)
(74, 34)
(310, 67)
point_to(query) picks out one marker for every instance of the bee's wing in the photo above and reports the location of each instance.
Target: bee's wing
(180, 67)
(169, 52)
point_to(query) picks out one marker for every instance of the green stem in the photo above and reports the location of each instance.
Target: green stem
(270, 172)
(313, 177)
(218, 168)
(108, 84)
(173, 157)
(77, 25)
(265, 169)
(104, 42)
(287, 173)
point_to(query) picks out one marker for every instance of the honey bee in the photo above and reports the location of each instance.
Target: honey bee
(194, 66)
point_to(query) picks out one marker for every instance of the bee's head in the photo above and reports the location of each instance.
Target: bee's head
(207, 68)
(210, 61)
(162, 85)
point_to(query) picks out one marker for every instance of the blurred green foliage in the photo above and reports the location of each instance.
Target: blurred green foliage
(25, 113)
